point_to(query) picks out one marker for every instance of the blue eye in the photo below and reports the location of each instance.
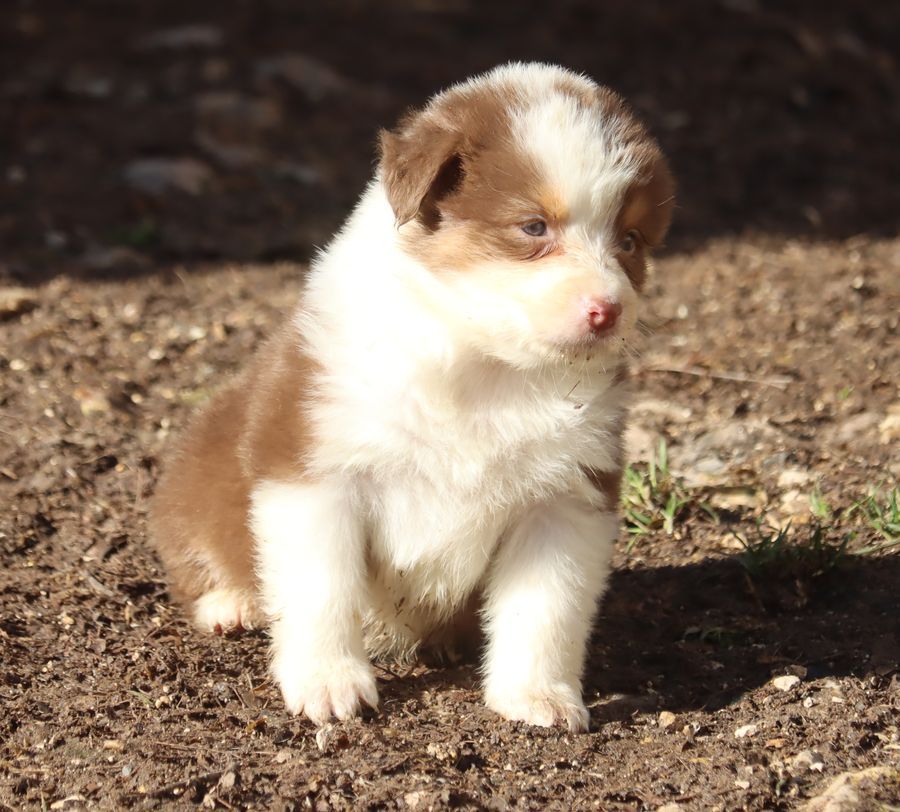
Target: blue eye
(629, 243)
(536, 228)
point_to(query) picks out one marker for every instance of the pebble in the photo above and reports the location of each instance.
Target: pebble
(794, 478)
(809, 759)
(413, 799)
(786, 682)
(745, 730)
(666, 719)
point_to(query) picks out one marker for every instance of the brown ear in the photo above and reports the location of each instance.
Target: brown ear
(649, 203)
(419, 164)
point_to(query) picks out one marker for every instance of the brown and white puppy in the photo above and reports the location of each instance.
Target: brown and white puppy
(440, 423)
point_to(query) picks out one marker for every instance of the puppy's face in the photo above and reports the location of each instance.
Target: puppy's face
(534, 197)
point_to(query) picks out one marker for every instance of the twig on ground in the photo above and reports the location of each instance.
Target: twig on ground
(777, 381)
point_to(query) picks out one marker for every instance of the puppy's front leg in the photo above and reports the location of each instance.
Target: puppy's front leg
(541, 598)
(313, 573)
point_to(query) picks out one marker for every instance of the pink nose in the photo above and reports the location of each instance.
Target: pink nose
(602, 315)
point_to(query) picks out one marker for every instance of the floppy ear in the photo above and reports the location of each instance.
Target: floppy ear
(649, 203)
(419, 165)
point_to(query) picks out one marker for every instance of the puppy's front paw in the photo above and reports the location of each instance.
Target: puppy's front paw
(333, 688)
(560, 704)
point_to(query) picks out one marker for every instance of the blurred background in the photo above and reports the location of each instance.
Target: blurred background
(136, 133)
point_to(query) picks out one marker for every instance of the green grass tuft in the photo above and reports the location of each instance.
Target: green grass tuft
(880, 510)
(653, 499)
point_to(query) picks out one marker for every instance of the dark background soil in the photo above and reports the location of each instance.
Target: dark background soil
(128, 292)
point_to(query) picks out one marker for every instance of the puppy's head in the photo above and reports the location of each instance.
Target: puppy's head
(534, 197)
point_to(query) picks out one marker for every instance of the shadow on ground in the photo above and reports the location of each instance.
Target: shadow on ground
(697, 637)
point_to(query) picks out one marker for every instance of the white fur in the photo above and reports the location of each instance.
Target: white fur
(312, 562)
(447, 454)
(222, 610)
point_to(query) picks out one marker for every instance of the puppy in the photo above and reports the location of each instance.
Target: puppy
(439, 425)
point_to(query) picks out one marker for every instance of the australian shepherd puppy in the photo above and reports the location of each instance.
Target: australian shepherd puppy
(436, 433)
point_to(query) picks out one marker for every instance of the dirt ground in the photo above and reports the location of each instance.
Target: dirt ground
(165, 171)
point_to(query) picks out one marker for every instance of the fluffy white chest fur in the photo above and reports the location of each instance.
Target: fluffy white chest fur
(439, 427)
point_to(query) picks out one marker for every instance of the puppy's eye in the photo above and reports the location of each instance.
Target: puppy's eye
(535, 228)
(629, 243)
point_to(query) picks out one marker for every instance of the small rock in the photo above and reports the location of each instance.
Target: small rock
(331, 738)
(198, 35)
(672, 807)
(16, 301)
(324, 735)
(127, 770)
(796, 505)
(91, 401)
(666, 719)
(786, 682)
(810, 760)
(413, 799)
(283, 756)
(794, 478)
(71, 802)
(728, 498)
(745, 730)
(742, 783)
(156, 176)
(227, 780)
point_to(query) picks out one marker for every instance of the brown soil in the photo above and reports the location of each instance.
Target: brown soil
(772, 369)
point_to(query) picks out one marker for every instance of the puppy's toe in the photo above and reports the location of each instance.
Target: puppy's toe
(337, 690)
(559, 705)
(225, 610)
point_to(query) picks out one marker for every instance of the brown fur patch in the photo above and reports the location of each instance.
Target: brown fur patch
(255, 428)
(456, 169)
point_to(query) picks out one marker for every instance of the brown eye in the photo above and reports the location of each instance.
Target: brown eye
(629, 243)
(536, 228)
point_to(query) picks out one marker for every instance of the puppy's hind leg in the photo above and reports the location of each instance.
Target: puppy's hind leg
(198, 522)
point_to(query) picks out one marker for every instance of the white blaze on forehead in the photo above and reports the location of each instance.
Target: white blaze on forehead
(580, 154)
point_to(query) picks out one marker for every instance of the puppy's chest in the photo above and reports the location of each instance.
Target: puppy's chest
(445, 484)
